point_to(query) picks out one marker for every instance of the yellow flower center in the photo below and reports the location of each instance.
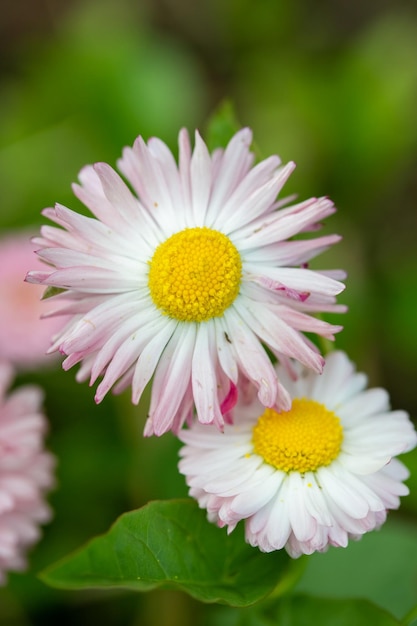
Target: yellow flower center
(306, 437)
(195, 275)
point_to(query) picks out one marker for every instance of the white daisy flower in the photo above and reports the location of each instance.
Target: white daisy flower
(189, 280)
(309, 478)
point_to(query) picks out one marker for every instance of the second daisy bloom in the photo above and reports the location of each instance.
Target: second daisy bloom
(312, 477)
(187, 281)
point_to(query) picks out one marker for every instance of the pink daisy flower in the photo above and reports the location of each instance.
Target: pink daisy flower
(188, 280)
(25, 472)
(24, 338)
(312, 477)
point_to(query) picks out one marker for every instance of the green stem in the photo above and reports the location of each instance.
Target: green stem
(294, 572)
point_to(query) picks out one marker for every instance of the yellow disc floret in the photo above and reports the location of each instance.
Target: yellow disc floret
(306, 437)
(195, 275)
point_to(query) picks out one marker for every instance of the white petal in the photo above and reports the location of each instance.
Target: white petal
(248, 502)
(149, 358)
(300, 280)
(235, 163)
(314, 500)
(253, 197)
(117, 193)
(168, 386)
(302, 523)
(362, 405)
(201, 180)
(170, 172)
(344, 497)
(203, 376)
(283, 224)
(288, 253)
(121, 352)
(277, 334)
(225, 354)
(337, 374)
(238, 476)
(252, 358)
(278, 526)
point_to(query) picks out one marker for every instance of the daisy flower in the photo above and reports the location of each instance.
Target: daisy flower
(26, 472)
(24, 338)
(189, 279)
(308, 478)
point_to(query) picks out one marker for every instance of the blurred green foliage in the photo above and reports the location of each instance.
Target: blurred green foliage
(331, 86)
(86, 93)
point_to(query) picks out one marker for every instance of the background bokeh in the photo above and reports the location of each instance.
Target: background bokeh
(331, 85)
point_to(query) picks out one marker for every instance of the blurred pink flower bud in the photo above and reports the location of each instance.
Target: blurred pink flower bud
(24, 337)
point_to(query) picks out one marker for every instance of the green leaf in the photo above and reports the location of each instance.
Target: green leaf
(222, 125)
(302, 610)
(171, 544)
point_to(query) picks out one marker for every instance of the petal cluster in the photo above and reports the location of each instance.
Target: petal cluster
(304, 512)
(117, 332)
(26, 472)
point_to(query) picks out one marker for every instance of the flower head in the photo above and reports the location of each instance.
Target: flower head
(25, 472)
(24, 338)
(308, 478)
(189, 280)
